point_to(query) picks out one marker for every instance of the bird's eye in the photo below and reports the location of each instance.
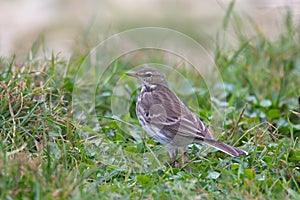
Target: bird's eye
(148, 74)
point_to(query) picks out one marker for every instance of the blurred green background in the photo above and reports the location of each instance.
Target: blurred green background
(63, 24)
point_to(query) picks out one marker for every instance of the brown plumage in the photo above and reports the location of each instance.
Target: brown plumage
(164, 117)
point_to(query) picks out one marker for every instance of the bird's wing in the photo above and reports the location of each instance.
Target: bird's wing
(189, 126)
(166, 111)
(156, 108)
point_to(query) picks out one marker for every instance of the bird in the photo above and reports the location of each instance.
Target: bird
(168, 120)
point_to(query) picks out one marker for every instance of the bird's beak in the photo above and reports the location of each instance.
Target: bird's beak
(133, 74)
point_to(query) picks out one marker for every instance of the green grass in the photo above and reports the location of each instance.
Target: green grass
(48, 151)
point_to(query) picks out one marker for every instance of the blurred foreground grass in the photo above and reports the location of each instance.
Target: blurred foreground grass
(48, 153)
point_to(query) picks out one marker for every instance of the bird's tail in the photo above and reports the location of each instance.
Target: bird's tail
(223, 147)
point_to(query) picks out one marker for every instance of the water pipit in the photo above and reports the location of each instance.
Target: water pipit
(165, 117)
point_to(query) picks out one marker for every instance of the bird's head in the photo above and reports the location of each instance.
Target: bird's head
(149, 76)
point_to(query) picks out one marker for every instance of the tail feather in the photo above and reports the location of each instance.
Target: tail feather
(233, 151)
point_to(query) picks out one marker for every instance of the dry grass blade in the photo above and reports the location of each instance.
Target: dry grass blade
(237, 122)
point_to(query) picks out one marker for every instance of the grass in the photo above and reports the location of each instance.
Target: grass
(50, 151)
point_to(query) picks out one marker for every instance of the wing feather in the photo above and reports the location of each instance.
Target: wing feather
(163, 109)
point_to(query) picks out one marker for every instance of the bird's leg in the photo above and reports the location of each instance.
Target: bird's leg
(173, 153)
(182, 157)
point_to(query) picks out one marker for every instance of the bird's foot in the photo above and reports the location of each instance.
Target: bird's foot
(172, 163)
